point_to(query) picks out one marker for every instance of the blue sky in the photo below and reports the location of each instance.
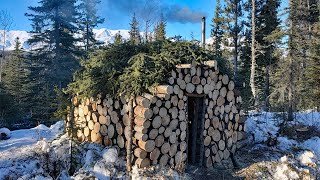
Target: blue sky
(117, 18)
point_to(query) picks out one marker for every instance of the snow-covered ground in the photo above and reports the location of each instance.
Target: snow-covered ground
(265, 126)
(293, 153)
(25, 137)
(44, 153)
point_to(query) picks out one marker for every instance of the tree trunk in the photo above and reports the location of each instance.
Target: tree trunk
(290, 87)
(266, 89)
(253, 55)
(3, 55)
(235, 69)
(87, 38)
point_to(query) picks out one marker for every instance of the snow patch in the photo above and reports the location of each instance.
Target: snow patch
(284, 172)
(261, 126)
(31, 136)
(313, 145)
(285, 143)
(110, 155)
(308, 118)
(5, 133)
(307, 158)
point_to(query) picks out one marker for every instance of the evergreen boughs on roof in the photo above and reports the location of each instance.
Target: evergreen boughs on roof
(128, 69)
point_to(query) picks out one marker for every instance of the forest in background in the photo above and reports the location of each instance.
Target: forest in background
(273, 53)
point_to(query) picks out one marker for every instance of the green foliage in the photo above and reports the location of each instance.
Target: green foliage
(130, 70)
(63, 104)
(118, 38)
(267, 42)
(54, 23)
(313, 70)
(134, 32)
(88, 19)
(244, 73)
(217, 32)
(16, 78)
(160, 30)
(7, 108)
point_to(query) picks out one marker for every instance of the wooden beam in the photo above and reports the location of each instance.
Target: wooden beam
(183, 66)
(129, 140)
(201, 133)
(194, 131)
(210, 63)
(195, 95)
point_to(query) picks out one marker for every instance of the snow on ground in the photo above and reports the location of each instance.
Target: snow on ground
(312, 144)
(44, 153)
(261, 127)
(295, 155)
(308, 118)
(25, 137)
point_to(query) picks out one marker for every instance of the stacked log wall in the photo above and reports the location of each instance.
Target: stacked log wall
(160, 121)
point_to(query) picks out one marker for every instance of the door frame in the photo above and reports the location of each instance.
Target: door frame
(202, 120)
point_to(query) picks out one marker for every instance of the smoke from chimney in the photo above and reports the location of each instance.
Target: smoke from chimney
(177, 13)
(171, 13)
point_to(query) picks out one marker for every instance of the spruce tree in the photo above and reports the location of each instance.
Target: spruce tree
(160, 30)
(268, 38)
(88, 21)
(118, 38)
(134, 32)
(16, 79)
(54, 25)
(244, 71)
(56, 55)
(311, 95)
(8, 113)
(217, 29)
(234, 25)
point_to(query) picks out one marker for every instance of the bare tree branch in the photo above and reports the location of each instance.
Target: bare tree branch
(6, 22)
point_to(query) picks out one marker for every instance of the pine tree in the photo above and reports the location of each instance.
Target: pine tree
(7, 108)
(311, 95)
(88, 21)
(244, 71)
(160, 30)
(52, 63)
(134, 32)
(234, 25)
(217, 29)
(298, 61)
(54, 25)
(268, 36)
(118, 38)
(16, 79)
